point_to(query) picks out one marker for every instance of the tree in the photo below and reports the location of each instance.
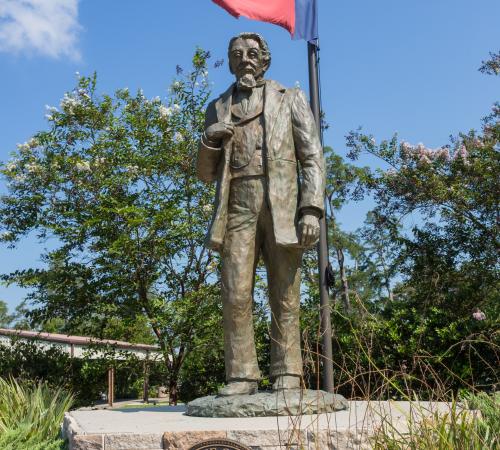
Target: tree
(112, 183)
(5, 317)
(445, 268)
(491, 66)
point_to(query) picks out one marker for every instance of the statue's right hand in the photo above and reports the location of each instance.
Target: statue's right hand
(219, 131)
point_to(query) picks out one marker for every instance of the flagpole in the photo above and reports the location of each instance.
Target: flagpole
(325, 319)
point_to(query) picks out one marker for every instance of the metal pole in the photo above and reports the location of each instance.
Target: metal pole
(326, 325)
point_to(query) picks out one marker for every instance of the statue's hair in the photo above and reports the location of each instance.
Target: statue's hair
(264, 48)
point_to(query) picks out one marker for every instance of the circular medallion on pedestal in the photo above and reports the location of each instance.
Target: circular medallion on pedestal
(219, 444)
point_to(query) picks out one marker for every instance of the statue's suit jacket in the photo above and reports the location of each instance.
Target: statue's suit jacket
(291, 136)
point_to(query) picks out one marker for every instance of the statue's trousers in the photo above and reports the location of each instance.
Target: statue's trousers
(249, 234)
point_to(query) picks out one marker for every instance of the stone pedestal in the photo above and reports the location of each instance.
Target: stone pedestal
(268, 404)
(169, 428)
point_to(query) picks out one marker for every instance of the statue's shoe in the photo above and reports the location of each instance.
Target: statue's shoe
(285, 382)
(239, 388)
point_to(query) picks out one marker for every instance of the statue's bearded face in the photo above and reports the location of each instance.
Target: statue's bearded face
(246, 62)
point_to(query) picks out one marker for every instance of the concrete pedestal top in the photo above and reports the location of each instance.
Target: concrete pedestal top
(169, 428)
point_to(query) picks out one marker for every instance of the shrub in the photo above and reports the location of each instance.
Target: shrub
(86, 378)
(31, 415)
(457, 428)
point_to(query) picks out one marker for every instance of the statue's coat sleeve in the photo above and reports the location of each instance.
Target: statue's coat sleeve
(310, 154)
(208, 157)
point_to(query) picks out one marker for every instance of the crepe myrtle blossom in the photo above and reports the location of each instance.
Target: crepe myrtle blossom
(478, 142)
(424, 154)
(11, 166)
(442, 153)
(132, 170)
(212, 266)
(25, 148)
(20, 178)
(463, 154)
(478, 315)
(99, 161)
(164, 111)
(83, 93)
(405, 145)
(33, 167)
(33, 142)
(178, 137)
(82, 166)
(69, 102)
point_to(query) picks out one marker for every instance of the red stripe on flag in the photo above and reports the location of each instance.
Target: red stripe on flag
(279, 12)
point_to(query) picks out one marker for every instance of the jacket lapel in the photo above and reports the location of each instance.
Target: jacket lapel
(273, 98)
(223, 106)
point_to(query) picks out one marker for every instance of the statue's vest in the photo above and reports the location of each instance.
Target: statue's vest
(248, 142)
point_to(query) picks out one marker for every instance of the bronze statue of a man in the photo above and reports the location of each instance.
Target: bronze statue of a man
(261, 146)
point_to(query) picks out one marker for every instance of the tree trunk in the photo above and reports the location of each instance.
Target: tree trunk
(173, 390)
(343, 278)
(389, 290)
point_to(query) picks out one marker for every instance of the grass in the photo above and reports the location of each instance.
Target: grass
(457, 428)
(144, 405)
(31, 415)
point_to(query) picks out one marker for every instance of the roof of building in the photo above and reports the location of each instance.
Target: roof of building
(75, 340)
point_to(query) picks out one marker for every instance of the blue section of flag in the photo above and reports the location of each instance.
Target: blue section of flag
(306, 20)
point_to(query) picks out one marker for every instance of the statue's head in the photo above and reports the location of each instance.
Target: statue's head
(249, 58)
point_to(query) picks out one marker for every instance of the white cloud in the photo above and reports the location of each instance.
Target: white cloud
(46, 27)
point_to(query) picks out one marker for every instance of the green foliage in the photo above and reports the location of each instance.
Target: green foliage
(113, 181)
(86, 378)
(419, 281)
(489, 407)
(31, 415)
(457, 428)
(415, 299)
(491, 66)
(5, 317)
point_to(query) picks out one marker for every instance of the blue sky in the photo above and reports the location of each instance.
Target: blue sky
(387, 65)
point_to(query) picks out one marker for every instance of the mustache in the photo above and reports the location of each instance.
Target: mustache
(247, 65)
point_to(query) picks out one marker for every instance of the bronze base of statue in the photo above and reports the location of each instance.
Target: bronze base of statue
(287, 402)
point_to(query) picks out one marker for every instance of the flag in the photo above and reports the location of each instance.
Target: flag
(299, 17)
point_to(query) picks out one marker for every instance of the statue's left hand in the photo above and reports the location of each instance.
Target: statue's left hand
(308, 229)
